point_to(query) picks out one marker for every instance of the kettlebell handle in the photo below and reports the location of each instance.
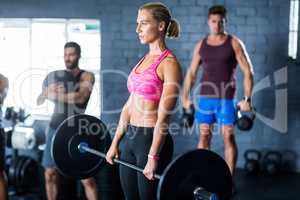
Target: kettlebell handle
(190, 110)
(253, 152)
(252, 111)
(275, 154)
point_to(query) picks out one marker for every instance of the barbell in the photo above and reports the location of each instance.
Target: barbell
(79, 146)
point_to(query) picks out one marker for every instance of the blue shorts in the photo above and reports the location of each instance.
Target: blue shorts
(47, 161)
(215, 110)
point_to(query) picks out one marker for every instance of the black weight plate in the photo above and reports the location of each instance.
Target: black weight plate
(198, 168)
(29, 172)
(18, 175)
(12, 171)
(75, 130)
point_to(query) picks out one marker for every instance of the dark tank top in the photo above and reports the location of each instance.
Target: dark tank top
(65, 110)
(219, 65)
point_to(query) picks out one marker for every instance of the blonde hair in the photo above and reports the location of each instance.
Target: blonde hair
(161, 12)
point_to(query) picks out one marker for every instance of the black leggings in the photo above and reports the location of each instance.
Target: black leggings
(135, 149)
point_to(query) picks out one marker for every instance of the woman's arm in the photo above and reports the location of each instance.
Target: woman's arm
(172, 77)
(171, 88)
(113, 151)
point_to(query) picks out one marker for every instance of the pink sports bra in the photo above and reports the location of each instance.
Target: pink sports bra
(147, 83)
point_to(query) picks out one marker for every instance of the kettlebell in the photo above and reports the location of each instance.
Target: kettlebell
(272, 162)
(252, 163)
(289, 160)
(245, 120)
(187, 118)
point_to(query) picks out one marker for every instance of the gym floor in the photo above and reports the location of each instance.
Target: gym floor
(260, 187)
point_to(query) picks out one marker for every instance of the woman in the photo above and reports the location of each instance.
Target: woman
(153, 85)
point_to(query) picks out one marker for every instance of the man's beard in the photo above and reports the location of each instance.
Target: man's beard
(72, 65)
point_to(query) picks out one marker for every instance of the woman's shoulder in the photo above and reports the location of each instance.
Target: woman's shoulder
(170, 60)
(170, 63)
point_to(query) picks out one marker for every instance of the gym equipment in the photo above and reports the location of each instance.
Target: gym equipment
(14, 116)
(10, 113)
(289, 160)
(28, 172)
(78, 151)
(198, 174)
(18, 169)
(272, 162)
(8, 133)
(12, 172)
(252, 161)
(245, 120)
(187, 118)
(23, 172)
(23, 138)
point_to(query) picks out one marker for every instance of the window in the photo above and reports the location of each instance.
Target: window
(293, 32)
(31, 48)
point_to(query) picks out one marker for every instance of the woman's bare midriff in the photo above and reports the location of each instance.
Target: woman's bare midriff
(143, 113)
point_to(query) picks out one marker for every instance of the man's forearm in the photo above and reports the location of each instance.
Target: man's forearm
(72, 97)
(187, 85)
(248, 85)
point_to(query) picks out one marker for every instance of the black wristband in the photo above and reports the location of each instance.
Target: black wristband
(248, 99)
